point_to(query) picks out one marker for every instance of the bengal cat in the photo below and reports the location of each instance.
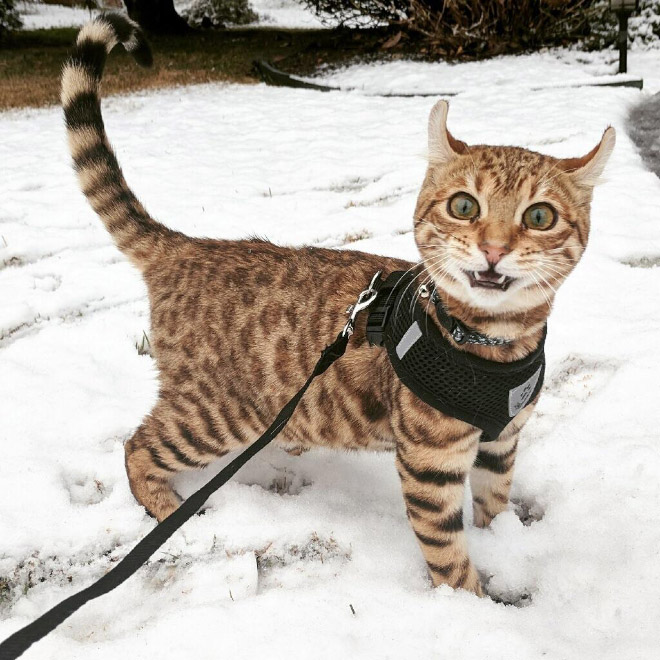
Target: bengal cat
(237, 326)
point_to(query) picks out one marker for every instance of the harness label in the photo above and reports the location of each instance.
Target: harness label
(413, 333)
(519, 396)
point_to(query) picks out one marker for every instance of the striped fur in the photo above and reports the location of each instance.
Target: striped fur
(137, 235)
(229, 357)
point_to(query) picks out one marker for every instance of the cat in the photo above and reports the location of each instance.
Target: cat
(237, 326)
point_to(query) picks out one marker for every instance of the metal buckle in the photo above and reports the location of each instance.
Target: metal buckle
(458, 333)
(365, 299)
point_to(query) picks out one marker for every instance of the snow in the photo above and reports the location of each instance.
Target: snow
(328, 530)
(276, 13)
(286, 13)
(557, 67)
(39, 16)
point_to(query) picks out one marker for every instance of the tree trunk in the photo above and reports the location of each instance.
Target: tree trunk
(156, 16)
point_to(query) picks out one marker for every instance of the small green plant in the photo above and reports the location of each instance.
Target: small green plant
(143, 347)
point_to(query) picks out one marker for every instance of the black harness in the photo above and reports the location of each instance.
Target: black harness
(481, 392)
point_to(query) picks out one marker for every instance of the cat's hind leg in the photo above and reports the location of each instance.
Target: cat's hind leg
(156, 452)
(149, 472)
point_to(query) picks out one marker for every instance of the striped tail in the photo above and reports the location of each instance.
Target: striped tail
(136, 233)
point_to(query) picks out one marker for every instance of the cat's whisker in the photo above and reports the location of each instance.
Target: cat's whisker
(542, 290)
(557, 263)
(438, 259)
(563, 247)
(412, 281)
(551, 262)
(543, 274)
(558, 278)
(560, 266)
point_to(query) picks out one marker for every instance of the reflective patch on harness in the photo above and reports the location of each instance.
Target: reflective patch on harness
(413, 333)
(519, 396)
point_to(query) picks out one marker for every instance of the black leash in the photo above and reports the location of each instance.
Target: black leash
(16, 644)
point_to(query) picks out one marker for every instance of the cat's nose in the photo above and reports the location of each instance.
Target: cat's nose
(494, 252)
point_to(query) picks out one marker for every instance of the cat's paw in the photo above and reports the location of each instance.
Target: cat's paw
(480, 518)
(484, 511)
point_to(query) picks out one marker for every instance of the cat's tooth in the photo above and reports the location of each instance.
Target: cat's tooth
(476, 275)
(501, 280)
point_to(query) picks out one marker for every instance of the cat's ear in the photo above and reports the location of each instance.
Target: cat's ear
(585, 171)
(443, 146)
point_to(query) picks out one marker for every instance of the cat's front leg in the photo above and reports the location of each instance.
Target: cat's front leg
(432, 478)
(492, 473)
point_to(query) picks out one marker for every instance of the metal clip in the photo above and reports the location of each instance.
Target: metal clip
(458, 333)
(365, 299)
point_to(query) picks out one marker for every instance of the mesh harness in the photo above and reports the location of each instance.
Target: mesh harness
(481, 392)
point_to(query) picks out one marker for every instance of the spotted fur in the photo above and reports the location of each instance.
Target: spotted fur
(237, 326)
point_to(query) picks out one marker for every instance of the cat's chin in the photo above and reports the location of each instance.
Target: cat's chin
(504, 297)
(491, 299)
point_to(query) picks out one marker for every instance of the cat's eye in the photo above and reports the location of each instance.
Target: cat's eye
(540, 216)
(463, 206)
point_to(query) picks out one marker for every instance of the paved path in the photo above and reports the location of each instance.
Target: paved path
(644, 129)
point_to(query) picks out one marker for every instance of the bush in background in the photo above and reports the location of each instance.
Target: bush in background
(9, 18)
(471, 27)
(217, 13)
(493, 27)
(363, 13)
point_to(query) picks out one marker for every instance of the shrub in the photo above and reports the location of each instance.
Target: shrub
(475, 27)
(493, 27)
(643, 27)
(9, 18)
(366, 13)
(218, 13)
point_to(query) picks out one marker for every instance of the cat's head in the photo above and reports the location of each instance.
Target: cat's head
(500, 228)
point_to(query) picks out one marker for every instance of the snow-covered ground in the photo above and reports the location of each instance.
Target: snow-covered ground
(37, 15)
(556, 67)
(286, 13)
(292, 546)
(281, 13)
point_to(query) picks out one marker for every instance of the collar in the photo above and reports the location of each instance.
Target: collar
(460, 333)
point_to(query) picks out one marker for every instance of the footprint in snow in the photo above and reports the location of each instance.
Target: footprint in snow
(508, 597)
(47, 282)
(579, 377)
(278, 470)
(278, 480)
(84, 490)
(573, 382)
(528, 512)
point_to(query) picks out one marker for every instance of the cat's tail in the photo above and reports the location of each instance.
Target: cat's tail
(137, 234)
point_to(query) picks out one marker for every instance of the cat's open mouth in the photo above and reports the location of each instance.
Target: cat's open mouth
(489, 279)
